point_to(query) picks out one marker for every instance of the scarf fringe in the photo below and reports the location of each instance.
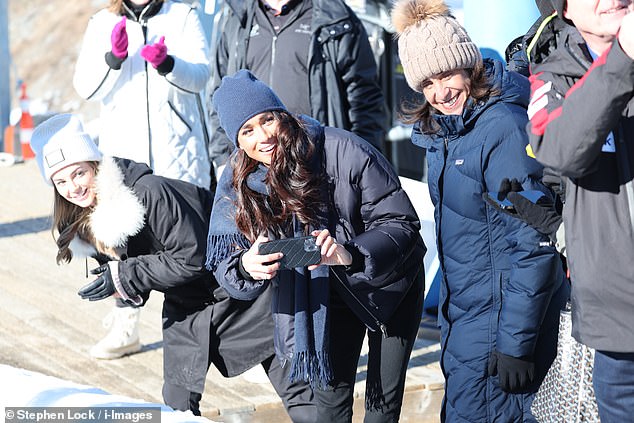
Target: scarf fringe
(314, 368)
(219, 247)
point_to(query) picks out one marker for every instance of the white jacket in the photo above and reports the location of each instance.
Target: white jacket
(146, 117)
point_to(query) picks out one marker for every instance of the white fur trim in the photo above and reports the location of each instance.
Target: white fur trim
(119, 214)
(81, 249)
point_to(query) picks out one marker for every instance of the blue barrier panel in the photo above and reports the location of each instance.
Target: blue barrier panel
(493, 24)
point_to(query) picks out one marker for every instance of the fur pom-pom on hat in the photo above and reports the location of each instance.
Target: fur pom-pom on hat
(408, 13)
(431, 41)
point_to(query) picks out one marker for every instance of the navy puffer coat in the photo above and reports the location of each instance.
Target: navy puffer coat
(503, 284)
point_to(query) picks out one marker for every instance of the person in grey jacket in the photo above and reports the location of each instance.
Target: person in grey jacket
(582, 126)
(292, 177)
(148, 234)
(314, 54)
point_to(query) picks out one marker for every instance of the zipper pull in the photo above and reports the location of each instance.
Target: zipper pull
(383, 329)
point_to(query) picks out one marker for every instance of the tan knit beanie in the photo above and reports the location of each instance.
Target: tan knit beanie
(430, 40)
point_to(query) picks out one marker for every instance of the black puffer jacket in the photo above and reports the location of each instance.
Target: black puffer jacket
(371, 212)
(343, 85)
(159, 226)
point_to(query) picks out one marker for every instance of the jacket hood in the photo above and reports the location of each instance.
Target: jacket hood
(513, 87)
(556, 47)
(119, 213)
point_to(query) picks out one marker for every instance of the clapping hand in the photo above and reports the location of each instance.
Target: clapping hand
(156, 53)
(119, 40)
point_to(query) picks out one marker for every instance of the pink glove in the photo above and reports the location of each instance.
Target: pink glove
(119, 40)
(155, 53)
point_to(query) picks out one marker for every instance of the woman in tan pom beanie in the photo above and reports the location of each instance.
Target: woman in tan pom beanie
(503, 284)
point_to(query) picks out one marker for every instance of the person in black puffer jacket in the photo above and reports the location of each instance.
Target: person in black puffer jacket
(148, 233)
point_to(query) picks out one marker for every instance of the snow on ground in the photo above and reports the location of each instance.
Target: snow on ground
(23, 388)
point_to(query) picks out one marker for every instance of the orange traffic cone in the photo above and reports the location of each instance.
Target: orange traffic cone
(26, 125)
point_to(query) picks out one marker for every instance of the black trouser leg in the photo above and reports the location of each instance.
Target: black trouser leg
(182, 399)
(297, 397)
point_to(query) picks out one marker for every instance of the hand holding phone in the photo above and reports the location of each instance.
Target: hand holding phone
(298, 252)
(258, 266)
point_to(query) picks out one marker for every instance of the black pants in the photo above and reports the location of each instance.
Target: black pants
(297, 397)
(387, 361)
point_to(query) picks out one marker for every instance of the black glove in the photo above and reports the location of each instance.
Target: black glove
(542, 215)
(515, 374)
(505, 187)
(100, 288)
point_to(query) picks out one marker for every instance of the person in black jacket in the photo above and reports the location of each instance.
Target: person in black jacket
(148, 233)
(314, 54)
(291, 177)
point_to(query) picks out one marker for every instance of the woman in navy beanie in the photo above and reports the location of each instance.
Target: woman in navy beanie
(292, 177)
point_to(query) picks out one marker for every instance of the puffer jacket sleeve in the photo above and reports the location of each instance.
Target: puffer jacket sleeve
(179, 221)
(536, 271)
(569, 126)
(359, 75)
(369, 194)
(93, 78)
(231, 279)
(191, 70)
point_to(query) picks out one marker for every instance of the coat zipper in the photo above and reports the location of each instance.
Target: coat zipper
(273, 49)
(382, 327)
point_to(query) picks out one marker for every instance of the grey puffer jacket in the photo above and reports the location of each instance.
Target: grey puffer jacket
(342, 73)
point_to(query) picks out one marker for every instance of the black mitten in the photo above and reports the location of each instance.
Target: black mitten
(515, 374)
(100, 288)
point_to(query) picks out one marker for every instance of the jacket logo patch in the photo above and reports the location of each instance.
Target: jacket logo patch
(255, 31)
(459, 162)
(303, 29)
(609, 146)
(539, 99)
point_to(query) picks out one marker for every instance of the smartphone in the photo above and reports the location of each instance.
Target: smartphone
(298, 252)
(531, 195)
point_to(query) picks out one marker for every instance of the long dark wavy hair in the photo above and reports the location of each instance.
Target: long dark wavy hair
(70, 220)
(480, 88)
(293, 179)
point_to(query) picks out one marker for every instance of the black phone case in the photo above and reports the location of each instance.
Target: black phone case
(298, 252)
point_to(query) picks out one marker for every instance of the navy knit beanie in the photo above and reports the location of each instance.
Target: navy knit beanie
(239, 98)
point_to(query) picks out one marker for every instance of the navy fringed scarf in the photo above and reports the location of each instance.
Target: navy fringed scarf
(300, 305)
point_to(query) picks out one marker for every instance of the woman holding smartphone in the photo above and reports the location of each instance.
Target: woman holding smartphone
(291, 177)
(148, 234)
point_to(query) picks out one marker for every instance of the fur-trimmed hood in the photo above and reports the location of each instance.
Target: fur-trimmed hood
(119, 213)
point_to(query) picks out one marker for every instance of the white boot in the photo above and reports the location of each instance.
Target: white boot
(256, 375)
(123, 337)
